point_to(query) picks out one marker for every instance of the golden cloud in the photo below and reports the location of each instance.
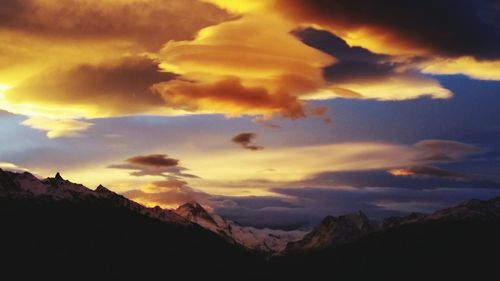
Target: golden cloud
(117, 87)
(476, 69)
(145, 23)
(166, 194)
(393, 87)
(252, 65)
(89, 59)
(95, 59)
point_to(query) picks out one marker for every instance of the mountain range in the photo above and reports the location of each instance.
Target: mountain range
(54, 227)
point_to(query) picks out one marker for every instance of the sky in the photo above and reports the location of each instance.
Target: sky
(270, 112)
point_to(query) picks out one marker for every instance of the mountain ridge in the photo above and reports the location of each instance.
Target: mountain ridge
(101, 233)
(336, 231)
(332, 232)
(57, 188)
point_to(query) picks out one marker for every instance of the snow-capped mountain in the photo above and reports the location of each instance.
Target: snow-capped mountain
(265, 240)
(57, 188)
(334, 231)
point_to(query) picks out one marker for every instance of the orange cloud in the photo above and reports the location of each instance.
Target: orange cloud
(145, 23)
(229, 97)
(401, 172)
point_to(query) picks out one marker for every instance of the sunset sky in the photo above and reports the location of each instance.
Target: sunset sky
(271, 112)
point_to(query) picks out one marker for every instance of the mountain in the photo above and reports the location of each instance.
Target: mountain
(54, 228)
(334, 231)
(195, 213)
(26, 185)
(56, 188)
(265, 240)
(460, 242)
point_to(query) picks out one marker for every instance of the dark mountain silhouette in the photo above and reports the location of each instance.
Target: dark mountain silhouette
(53, 228)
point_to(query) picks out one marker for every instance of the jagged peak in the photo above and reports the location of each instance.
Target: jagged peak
(28, 175)
(58, 177)
(191, 205)
(157, 208)
(102, 189)
(356, 215)
(193, 209)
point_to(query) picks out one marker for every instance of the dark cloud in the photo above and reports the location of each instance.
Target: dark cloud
(448, 27)
(423, 177)
(149, 23)
(154, 165)
(114, 88)
(155, 160)
(361, 67)
(246, 141)
(336, 46)
(355, 64)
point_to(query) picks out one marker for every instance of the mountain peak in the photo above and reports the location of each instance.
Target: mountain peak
(102, 189)
(191, 205)
(58, 177)
(334, 231)
(193, 211)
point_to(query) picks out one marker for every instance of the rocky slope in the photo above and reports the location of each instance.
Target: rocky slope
(263, 240)
(334, 231)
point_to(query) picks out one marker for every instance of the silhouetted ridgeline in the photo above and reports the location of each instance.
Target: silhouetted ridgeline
(57, 229)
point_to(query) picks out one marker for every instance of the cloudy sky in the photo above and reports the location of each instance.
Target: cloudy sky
(270, 112)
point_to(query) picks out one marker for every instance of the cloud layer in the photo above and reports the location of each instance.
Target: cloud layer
(101, 59)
